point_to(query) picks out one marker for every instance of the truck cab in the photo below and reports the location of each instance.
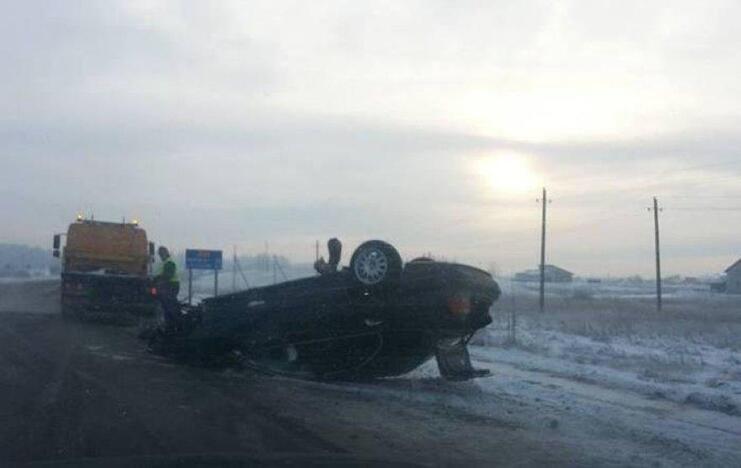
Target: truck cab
(105, 269)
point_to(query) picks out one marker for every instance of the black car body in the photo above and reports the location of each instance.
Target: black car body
(337, 326)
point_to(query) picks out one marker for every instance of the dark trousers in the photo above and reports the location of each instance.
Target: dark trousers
(168, 296)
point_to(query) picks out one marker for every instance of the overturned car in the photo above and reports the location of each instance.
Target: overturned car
(376, 318)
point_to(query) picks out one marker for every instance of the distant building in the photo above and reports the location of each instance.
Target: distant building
(553, 274)
(674, 279)
(733, 278)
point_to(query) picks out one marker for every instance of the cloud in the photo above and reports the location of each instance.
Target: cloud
(237, 122)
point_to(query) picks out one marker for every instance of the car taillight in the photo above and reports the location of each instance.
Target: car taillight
(459, 305)
(153, 291)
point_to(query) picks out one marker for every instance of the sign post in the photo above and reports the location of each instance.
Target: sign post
(198, 259)
(190, 286)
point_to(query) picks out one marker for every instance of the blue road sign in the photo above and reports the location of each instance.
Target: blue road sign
(196, 259)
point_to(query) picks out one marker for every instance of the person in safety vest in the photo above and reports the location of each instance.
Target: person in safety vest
(167, 283)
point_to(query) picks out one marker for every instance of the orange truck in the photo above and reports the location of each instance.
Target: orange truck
(105, 269)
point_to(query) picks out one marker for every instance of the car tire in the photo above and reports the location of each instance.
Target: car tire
(376, 265)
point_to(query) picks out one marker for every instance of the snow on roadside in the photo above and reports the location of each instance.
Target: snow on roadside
(662, 367)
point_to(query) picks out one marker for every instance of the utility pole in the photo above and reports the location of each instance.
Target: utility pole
(316, 251)
(656, 210)
(238, 269)
(190, 286)
(234, 268)
(544, 201)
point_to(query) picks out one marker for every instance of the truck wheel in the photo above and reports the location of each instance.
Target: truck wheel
(376, 264)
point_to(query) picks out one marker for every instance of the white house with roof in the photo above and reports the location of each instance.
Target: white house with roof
(553, 274)
(733, 278)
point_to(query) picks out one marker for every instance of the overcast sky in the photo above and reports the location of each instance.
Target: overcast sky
(431, 124)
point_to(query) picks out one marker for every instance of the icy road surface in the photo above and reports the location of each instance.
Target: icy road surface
(81, 392)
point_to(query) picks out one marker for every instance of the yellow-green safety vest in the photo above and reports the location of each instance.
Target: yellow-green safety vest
(161, 270)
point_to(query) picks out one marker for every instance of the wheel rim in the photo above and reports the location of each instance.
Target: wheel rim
(371, 266)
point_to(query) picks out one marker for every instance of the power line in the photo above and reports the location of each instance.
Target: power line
(695, 196)
(593, 222)
(706, 208)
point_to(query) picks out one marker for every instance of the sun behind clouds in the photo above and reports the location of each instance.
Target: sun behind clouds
(508, 173)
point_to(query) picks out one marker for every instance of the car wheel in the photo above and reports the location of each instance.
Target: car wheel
(376, 264)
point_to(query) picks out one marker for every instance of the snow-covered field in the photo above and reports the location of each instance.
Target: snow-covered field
(689, 353)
